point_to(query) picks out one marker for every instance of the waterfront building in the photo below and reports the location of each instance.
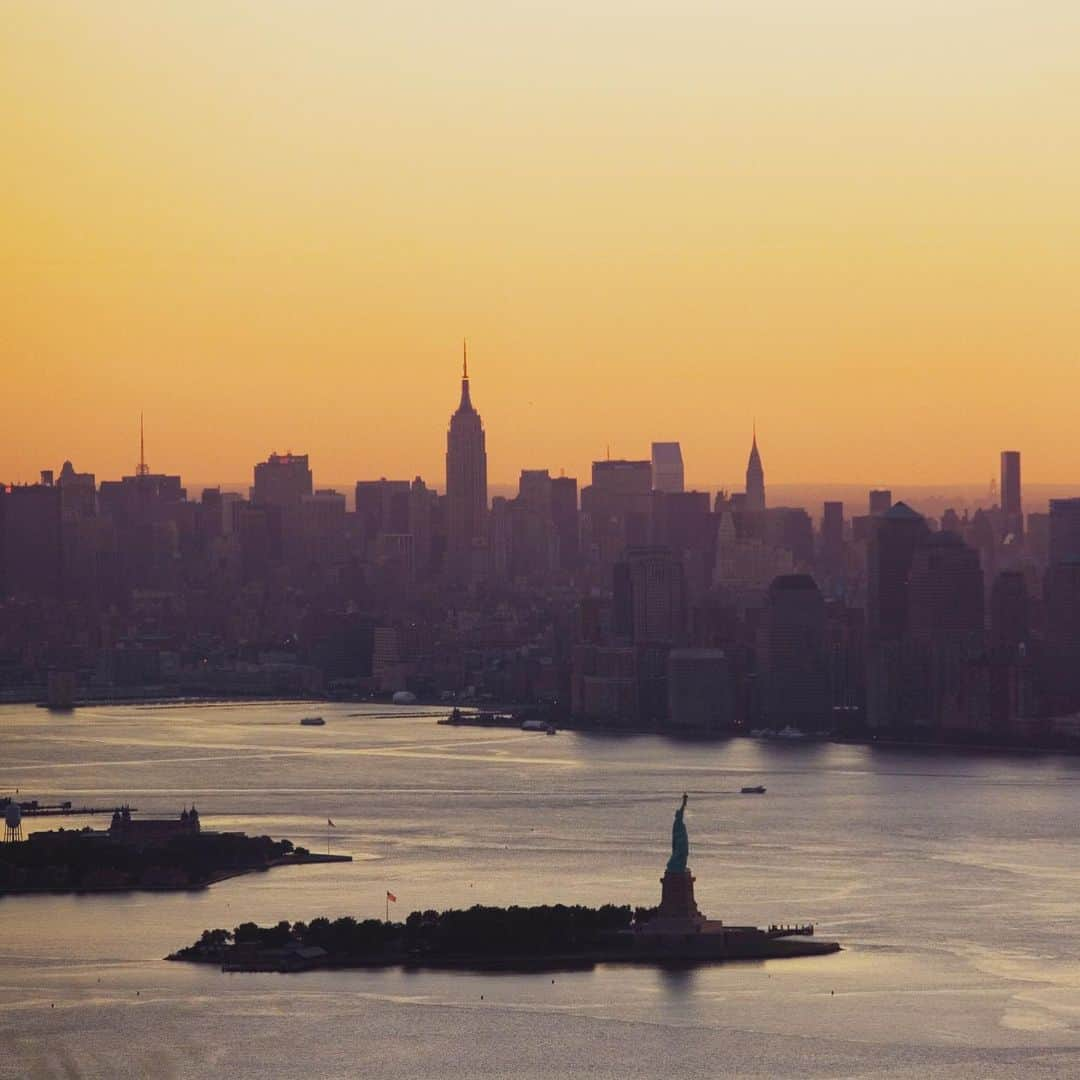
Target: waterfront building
(794, 665)
(700, 696)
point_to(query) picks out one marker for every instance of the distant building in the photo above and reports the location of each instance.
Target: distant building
(1010, 620)
(1011, 504)
(700, 694)
(650, 597)
(893, 540)
(564, 515)
(31, 561)
(832, 537)
(126, 829)
(667, 467)
(794, 671)
(1064, 531)
(466, 481)
(282, 480)
(880, 502)
(755, 480)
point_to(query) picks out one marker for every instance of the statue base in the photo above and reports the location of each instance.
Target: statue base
(677, 896)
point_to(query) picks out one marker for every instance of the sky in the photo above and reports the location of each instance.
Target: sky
(268, 225)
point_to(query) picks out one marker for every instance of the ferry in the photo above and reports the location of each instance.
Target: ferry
(312, 721)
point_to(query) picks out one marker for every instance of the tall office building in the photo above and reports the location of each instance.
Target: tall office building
(832, 530)
(282, 480)
(1010, 621)
(650, 597)
(755, 480)
(31, 562)
(466, 479)
(667, 467)
(1064, 531)
(564, 513)
(945, 592)
(880, 502)
(1011, 505)
(795, 673)
(893, 540)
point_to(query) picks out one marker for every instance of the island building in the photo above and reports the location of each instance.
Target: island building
(138, 831)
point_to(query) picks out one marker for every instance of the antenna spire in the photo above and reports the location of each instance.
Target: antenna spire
(142, 470)
(464, 358)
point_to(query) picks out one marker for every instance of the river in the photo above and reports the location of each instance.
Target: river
(951, 879)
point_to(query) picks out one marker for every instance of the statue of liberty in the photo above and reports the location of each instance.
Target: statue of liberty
(680, 842)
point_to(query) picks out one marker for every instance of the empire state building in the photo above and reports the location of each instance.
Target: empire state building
(466, 478)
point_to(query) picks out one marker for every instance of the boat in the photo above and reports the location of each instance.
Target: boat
(312, 721)
(757, 789)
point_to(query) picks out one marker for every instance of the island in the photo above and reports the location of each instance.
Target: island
(544, 937)
(158, 854)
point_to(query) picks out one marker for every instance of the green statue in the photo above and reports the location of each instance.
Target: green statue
(680, 842)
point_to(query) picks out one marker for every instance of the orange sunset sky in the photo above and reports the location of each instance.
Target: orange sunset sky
(269, 224)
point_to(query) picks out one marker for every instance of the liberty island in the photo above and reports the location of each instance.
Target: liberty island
(515, 938)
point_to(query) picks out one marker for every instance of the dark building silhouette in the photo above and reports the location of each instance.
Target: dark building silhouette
(466, 481)
(30, 541)
(1010, 619)
(945, 592)
(1011, 505)
(794, 668)
(755, 480)
(893, 539)
(650, 597)
(564, 515)
(1064, 531)
(282, 480)
(880, 502)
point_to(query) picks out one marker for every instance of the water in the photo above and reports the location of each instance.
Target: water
(952, 880)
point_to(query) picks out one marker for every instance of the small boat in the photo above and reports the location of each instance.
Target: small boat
(312, 721)
(757, 789)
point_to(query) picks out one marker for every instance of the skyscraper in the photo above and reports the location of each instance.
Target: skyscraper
(1011, 506)
(1064, 531)
(880, 501)
(667, 467)
(755, 479)
(893, 540)
(466, 478)
(282, 480)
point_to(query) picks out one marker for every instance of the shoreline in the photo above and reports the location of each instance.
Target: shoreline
(213, 879)
(510, 717)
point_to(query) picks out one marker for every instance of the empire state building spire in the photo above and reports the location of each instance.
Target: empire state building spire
(466, 402)
(466, 479)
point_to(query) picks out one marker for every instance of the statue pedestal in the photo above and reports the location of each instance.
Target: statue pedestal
(677, 896)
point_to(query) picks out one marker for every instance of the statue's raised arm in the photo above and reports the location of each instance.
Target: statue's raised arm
(680, 841)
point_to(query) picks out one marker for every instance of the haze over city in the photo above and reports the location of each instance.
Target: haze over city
(272, 224)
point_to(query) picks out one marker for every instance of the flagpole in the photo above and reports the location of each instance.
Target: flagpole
(387, 907)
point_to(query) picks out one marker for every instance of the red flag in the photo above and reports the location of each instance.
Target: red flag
(391, 896)
(330, 823)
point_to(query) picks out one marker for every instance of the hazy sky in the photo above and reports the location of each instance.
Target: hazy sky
(269, 224)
